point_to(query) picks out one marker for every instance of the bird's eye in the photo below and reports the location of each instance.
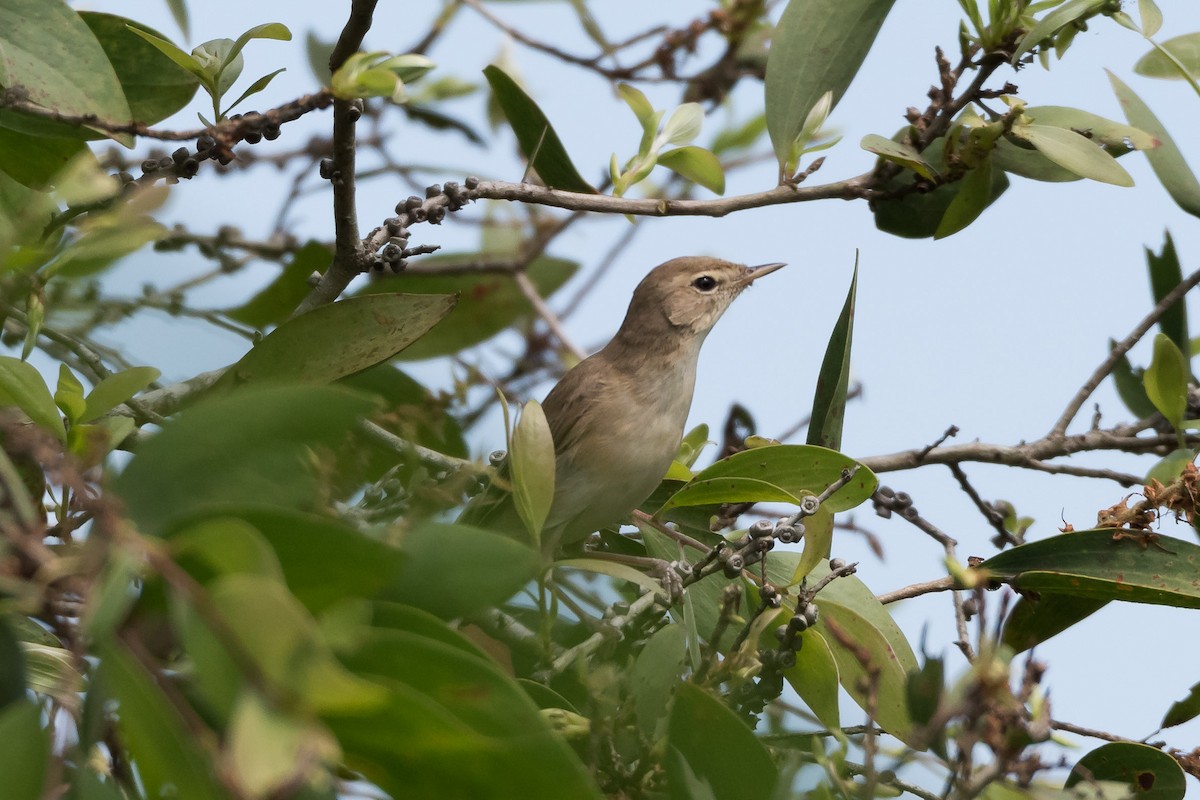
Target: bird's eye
(705, 283)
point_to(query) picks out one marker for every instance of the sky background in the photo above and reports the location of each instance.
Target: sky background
(992, 330)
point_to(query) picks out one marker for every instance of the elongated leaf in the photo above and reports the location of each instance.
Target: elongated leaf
(815, 678)
(1166, 380)
(488, 302)
(69, 393)
(1048, 25)
(1130, 387)
(169, 759)
(22, 386)
(1033, 621)
(899, 153)
(1183, 710)
(1029, 163)
(154, 85)
(818, 47)
(1097, 128)
(833, 381)
(33, 161)
(1185, 48)
(339, 339)
(1097, 565)
(969, 203)
(1166, 159)
(1074, 152)
(247, 448)
(115, 390)
(46, 49)
(697, 165)
(717, 748)
(27, 746)
(794, 469)
(537, 138)
(532, 460)
(1165, 275)
(654, 675)
(1149, 773)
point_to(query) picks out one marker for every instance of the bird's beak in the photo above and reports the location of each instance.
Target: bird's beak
(754, 273)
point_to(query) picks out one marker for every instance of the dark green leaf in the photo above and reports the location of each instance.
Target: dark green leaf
(115, 389)
(973, 197)
(717, 747)
(248, 448)
(179, 13)
(46, 49)
(1034, 620)
(818, 46)
(1150, 773)
(33, 161)
(1165, 275)
(455, 570)
(26, 749)
(1183, 710)
(1130, 387)
(697, 165)
(829, 398)
(488, 302)
(537, 138)
(1166, 160)
(22, 386)
(1166, 380)
(654, 676)
(455, 726)
(12, 667)
(168, 757)
(794, 469)
(1185, 48)
(1097, 565)
(154, 85)
(815, 678)
(279, 298)
(339, 339)
(438, 121)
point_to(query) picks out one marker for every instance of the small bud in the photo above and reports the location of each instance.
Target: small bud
(787, 659)
(809, 505)
(761, 528)
(412, 203)
(496, 457)
(394, 226)
(886, 492)
(325, 168)
(180, 155)
(903, 499)
(271, 131)
(811, 613)
(205, 143)
(189, 168)
(150, 165)
(252, 137)
(432, 190)
(472, 182)
(733, 565)
(835, 564)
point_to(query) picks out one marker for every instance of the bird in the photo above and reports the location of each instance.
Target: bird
(617, 417)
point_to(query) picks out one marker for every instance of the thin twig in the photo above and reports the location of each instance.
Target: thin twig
(549, 317)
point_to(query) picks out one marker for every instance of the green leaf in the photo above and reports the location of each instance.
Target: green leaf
(717, 747)
(33, 161)
(1097, 565)
(833, 381)
(456, 570)
(898, 153)
(168, 757)
(154, 85)
(1166, 380)
(647, 117)
(972, 198)
(697, 165)
(257, 86)
(115, 389)
(1165, 275)
(1185, 48)
(179, 13)
(537, 138)
(269, 30)
(1074, 152)
(532, 460)
(1166, 159)
(13, 681)
(1050, 24)
(186, 61)
(818, 46)
(1183, 710)
(26, 749)
(1150, 773)
(1130, 387)
(69, 394)
(1033, 621)
(818, 539)
(683, 125)
(248, 448)
(1097, 128)
(778, 472)
(455, 725)
(488, 302)
(654, 676)
(48, 50)
(1171, 466)
(269, 750)
(22, 386)
(1151, 17)
(1028, 163)
(339, 339)
(276, 301)
(815, 678)
(740, 137)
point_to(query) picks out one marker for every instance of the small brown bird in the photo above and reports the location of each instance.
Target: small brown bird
(617, 417)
